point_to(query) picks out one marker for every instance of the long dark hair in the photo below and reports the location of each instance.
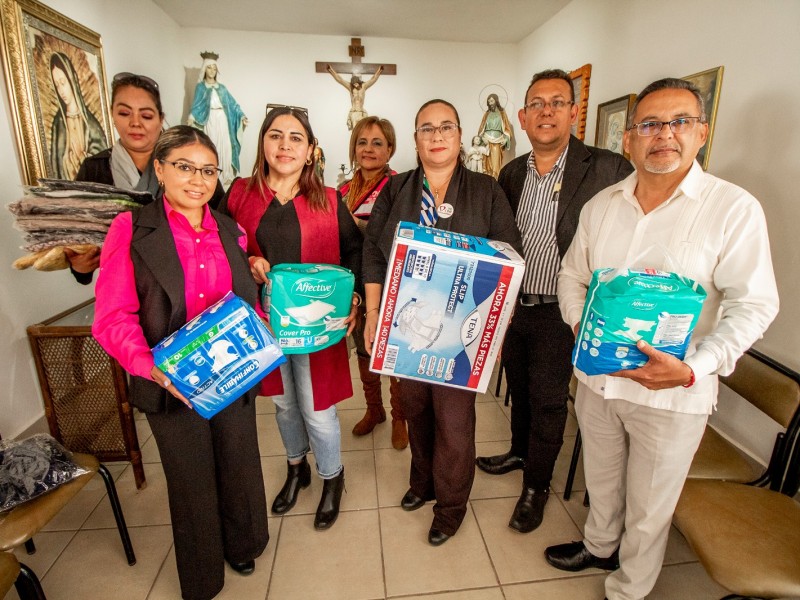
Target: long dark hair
(310, 185)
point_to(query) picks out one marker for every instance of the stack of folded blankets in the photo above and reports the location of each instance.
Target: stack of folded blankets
(58, 214)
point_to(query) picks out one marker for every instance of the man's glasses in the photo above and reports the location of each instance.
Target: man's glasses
(651, 128)
(187, 171)
(297, 108)
(447, 130)
(555, 105)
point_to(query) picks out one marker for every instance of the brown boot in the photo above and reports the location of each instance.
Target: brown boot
(372, 392)
(399, 434)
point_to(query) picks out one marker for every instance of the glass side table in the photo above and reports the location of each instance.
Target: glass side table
(85, 391)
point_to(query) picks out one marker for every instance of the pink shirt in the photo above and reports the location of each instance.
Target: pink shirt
(207, 276)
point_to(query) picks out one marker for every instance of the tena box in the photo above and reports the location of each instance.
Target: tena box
(307, 305)
(219, 355)
(624, 306)
(447, 301)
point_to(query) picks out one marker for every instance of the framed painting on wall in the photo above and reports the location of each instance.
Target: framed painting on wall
(580, 85)
(612, 117)
(709, 83)
(55, 76)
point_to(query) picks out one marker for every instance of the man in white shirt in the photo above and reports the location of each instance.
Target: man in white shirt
(641, 427)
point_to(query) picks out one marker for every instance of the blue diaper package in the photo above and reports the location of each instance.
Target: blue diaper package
(219, 355)
(307, 305)
(624, 306)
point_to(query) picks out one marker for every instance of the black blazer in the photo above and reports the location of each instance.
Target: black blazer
(160, 288)
(587, 171)
(479, 208)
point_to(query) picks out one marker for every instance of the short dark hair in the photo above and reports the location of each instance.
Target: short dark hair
(178, 137)
(123, 80)
(552, 74)
(668, 83)
(462, 154)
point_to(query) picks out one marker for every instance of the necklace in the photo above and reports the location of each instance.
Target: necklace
(286, 198)
(437, 189)
(198, 226)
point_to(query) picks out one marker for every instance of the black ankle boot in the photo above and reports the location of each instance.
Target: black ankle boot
(298, 476)
(328, 509)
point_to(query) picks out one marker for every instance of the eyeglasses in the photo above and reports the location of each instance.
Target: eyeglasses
(125, 77)
(447, 130)
(556, 105)
(297, 108)
(187, 171)
(651, 128)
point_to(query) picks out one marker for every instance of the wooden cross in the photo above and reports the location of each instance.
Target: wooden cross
(356, 67)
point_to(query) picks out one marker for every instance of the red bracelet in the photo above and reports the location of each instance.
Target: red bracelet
(691, 380)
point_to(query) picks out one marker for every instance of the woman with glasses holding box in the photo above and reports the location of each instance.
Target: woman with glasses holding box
(440, 193)
(291, 218)
(160, 267)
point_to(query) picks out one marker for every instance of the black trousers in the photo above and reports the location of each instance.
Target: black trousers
(441, 433)
(537, 357)
(216, 492)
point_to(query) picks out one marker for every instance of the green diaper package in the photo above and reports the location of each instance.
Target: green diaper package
(307, 305)
(624, 306)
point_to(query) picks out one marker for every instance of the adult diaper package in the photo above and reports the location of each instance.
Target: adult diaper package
(307, 305)
(219, 355)
(625, 306)
(447, 301)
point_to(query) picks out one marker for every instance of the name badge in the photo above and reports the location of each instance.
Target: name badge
(445, 210)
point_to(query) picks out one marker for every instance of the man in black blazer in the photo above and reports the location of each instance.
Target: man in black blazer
(547, 190)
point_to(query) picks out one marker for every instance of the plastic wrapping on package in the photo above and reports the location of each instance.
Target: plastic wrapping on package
(624, 306)
(307, 305)
(31, 467)
(219, 355)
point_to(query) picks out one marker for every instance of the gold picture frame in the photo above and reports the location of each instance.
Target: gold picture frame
(612, 118)
(56, 81)
(580, 84)
(710, 84)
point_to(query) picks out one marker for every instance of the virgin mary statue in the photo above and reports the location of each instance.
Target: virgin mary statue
(216, 112)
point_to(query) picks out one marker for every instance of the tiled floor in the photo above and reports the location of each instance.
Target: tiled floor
(375, 550)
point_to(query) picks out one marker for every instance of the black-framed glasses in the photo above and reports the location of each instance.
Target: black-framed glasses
(297, 108)
(556, 105)
(187, 171)
(125, 77)
(651, 128)
(447, 130)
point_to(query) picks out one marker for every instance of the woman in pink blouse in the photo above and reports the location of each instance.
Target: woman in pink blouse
(159, 268)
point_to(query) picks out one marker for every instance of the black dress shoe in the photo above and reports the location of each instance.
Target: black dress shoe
(328, 509)
(575, 557)
(297, 477)
(500, 464)
(436, 537)
(245, 568)
(411, 501)
(529, 511)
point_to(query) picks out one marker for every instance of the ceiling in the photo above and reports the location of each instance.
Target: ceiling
(489, 21)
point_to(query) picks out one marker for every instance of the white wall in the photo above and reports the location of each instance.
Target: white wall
(261, 68)
(631, 43)
(28, 297)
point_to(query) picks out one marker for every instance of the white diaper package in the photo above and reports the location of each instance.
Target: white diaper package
(624, 306)
(446, 304)
(219, 355)
(307, 305)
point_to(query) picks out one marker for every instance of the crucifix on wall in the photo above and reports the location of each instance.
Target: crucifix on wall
(356, 86)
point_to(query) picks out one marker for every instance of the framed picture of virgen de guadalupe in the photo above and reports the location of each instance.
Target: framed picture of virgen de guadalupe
(55, 75)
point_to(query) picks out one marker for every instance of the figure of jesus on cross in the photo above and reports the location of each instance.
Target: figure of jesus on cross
(356, 86)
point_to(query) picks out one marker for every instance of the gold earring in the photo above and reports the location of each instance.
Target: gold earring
(309, 161)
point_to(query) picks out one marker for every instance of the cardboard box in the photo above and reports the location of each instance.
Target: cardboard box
(447, 301)
(219, 355)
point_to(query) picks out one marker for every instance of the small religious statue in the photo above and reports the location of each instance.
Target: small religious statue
(495, 131)
(217, 113)
(357, 89)
(319, 162)
(476, 155)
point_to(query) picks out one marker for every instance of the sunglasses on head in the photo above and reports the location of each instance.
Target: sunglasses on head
(125, 77)
(297, 108)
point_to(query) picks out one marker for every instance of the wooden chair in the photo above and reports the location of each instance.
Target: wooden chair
(20, 524)
(747, 538)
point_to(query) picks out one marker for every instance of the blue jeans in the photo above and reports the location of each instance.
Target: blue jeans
(300, 424)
